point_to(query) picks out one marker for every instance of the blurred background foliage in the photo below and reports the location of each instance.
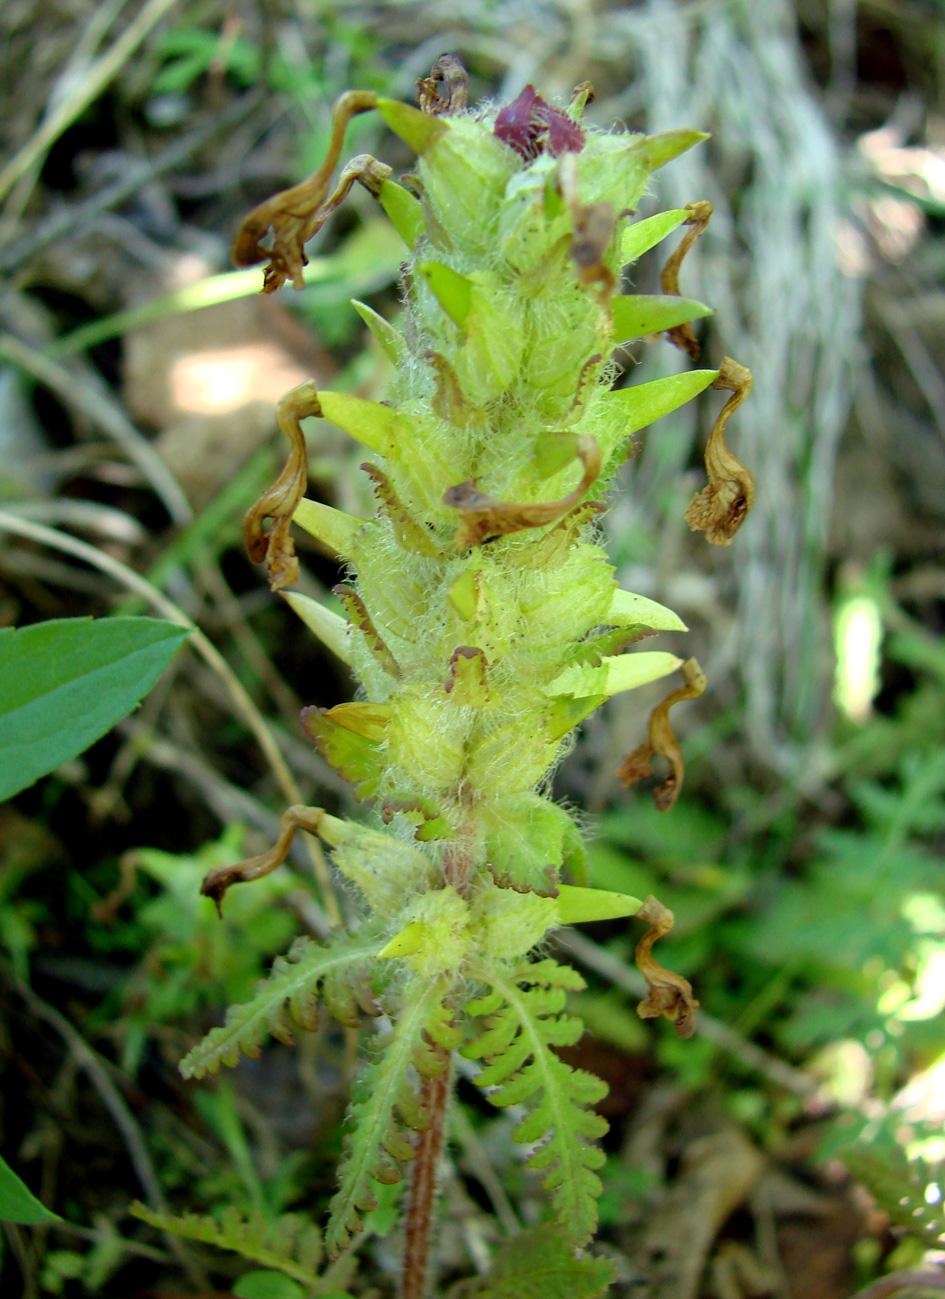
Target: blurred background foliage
(795, 1147)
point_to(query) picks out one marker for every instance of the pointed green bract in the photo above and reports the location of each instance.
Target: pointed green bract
(404, 212)
(330, 629)
(646, 402)
(658, 150)
(614, 675)
(390, 341)
(640, 236)
(333, 528)
(452, 291)
(368, 422)
(636, 315)
(525, 838)
(417, 129)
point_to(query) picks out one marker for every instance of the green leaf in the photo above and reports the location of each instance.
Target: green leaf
(637, 314)
(64, 683)
(292, 986)
(521, 1067)
(267, 1285)
(18, 1203)
(525, 842)
(291, 1244)
(539, 1263)
(641, 236)
(646, 402)
(383, 1105)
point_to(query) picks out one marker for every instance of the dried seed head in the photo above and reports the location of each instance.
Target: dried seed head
(447, 75)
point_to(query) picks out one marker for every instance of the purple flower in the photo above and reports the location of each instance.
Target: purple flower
(530, 126)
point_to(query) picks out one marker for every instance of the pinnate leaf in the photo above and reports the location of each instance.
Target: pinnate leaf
(383, 1109)
(291, 1243)
(522, 1068)
(286, 998)
(540, 1264)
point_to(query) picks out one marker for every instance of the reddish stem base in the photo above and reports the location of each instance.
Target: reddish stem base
(434, 1095)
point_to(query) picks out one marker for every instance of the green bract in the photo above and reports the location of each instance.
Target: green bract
(481, 618)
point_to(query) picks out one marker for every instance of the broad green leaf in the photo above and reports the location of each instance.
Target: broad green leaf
(64, 683)
(646, 402)
(18, 1203)
(638, 314)
(641, 236)
(614, 674)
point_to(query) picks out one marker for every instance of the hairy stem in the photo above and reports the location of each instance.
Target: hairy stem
(434, 1094)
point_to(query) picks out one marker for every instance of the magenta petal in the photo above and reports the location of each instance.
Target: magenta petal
(563, 135)
(518, 126)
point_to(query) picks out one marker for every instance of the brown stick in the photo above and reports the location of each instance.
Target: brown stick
(434, 1095)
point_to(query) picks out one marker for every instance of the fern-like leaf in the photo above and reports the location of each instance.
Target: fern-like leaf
(540, 1264)
(523, 1023)
(873, 1153)
(384, 1108)
(287, 997)
(290, 1244)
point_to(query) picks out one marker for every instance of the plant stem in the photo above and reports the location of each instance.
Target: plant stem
(434, 1096)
